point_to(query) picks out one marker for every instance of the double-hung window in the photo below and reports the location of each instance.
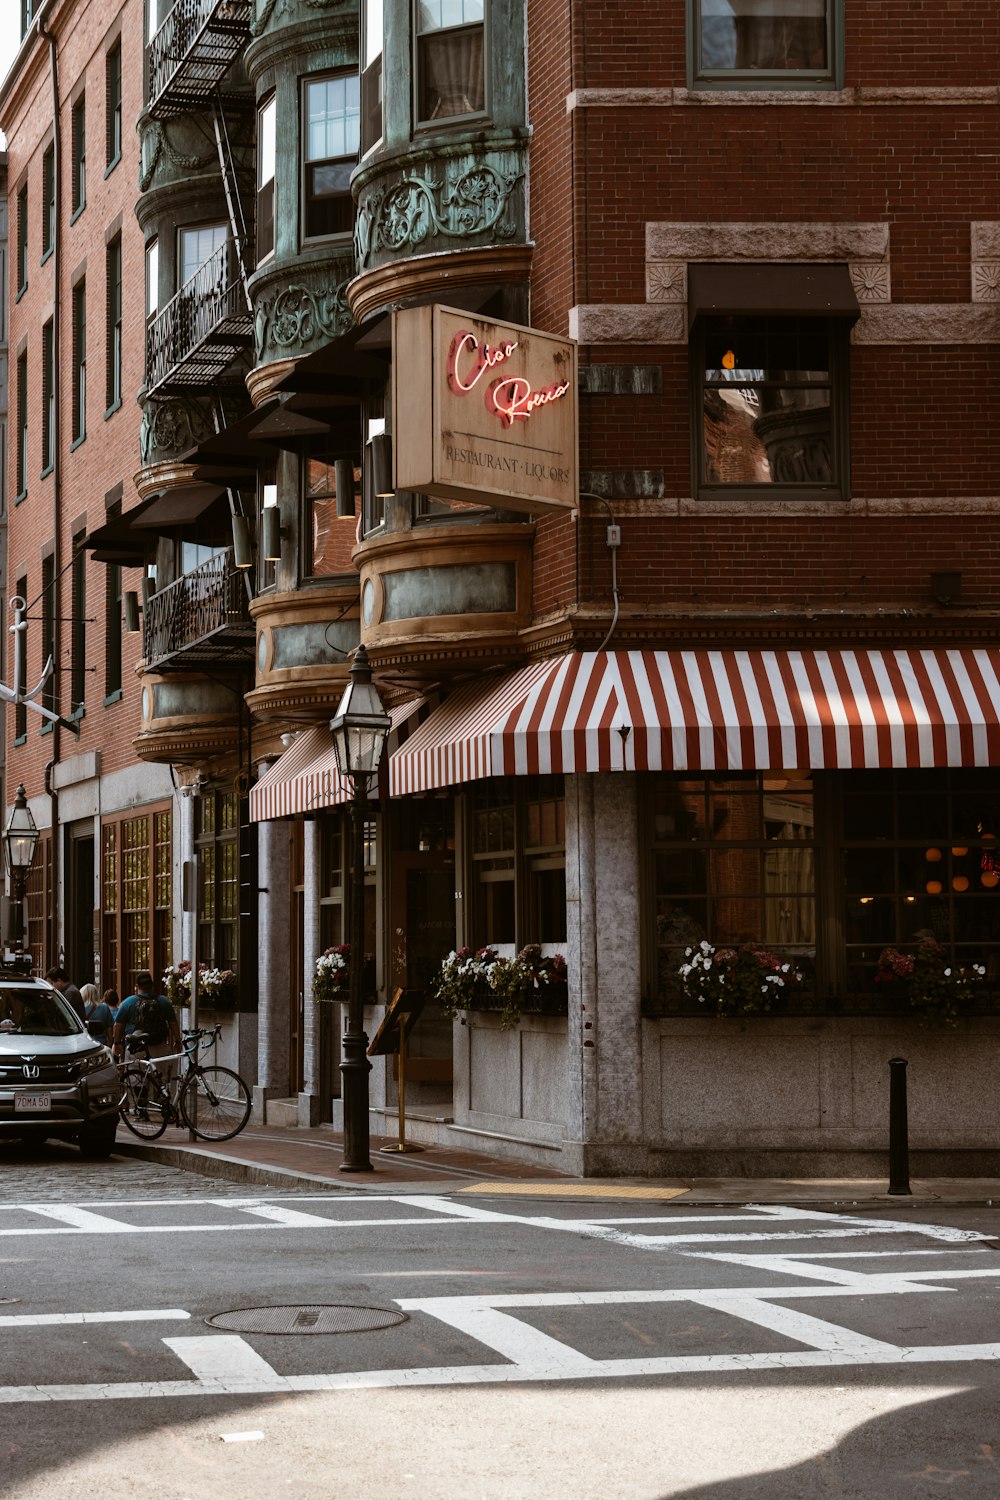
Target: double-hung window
(332, 110)
(113, 299)
(79, 182)
(113, 104)
(451, 73)
(266, 149)
(78, 641)
(79, 362)
(196, 247)
(371, 76)
(48, 201)
(764, 43)
(22, 239)
(152, 281)
(20, 712)
(48, 397)
(21, 476)
(113, 623)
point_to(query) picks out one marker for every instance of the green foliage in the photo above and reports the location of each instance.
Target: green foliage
(483, 980)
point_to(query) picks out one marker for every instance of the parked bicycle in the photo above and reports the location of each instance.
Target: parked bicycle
(212, 1102)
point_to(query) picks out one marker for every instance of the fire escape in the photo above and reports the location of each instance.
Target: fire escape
(196, 344)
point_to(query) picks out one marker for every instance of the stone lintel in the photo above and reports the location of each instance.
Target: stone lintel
(928, 323)
(797, 241)
(856, 98)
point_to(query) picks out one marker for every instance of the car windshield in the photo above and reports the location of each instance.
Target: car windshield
(31, 1012)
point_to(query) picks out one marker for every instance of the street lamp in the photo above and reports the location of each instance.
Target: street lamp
(360, 730)
(20, 839)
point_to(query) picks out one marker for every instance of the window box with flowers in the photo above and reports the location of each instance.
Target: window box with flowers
(484, 980)
(217, 988)
(332, 976)
(928, 983)
(744, 981)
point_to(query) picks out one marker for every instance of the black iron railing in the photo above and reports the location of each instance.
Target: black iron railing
(193, 609)
(193, 50)
(203, 328)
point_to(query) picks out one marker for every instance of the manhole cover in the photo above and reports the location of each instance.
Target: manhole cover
(313, 1318)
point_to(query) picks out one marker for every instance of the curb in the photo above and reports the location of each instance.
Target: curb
(232, 1168)
(236, 1169)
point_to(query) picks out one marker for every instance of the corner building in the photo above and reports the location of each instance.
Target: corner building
(681, 593)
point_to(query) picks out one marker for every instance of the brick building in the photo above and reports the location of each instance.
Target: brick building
(719, 666)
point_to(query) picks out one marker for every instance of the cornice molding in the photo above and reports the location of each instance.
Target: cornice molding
(421, 275)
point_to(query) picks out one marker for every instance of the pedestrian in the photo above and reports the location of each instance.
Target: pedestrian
(99, 1016)
(61, 981)
(153, 1016)
(112, 1000)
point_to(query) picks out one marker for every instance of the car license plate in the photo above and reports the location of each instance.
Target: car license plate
(32, 1104)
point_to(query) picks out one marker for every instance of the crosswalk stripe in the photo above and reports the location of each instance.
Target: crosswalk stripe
(46, 1320)
(226, 1360)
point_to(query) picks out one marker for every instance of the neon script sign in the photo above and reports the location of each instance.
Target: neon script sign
(511, 398)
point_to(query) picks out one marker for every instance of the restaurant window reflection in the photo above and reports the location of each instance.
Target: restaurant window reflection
(518, 856)
(772, 405)
(731, 862)
(920, 858)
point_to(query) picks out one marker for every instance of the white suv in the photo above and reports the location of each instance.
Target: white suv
(55, 1080)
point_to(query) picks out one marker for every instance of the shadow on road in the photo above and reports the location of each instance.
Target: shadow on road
(946, 1446)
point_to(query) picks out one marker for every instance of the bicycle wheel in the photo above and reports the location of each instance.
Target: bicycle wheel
(142, 1108)
(215, 1103)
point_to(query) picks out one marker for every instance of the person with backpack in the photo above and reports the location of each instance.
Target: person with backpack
(153, 1016)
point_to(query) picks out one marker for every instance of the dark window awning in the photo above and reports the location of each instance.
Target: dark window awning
(178, 507)
(772, 289)
(234, 452)
(117, 542)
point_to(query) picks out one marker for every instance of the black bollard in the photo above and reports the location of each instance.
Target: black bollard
(899, 1137)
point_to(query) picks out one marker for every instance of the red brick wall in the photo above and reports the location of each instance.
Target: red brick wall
(921, 425)
(110, 453)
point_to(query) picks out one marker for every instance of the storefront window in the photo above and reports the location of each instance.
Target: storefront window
(136, 896)
(518, 861)
(920, 859)
(218, 853)
(909, 856)
(732, 862)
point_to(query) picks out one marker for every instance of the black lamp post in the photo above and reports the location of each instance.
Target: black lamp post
(360, 730)
(20, 839)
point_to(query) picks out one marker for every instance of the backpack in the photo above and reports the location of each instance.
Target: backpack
(150, 1017)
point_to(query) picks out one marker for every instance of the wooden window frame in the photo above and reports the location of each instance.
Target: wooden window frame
(136, 860)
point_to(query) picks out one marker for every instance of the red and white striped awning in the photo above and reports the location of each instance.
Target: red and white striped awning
(713, 711)
(306, 778)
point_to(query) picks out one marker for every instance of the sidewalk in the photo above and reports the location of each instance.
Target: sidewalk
(273, 1157)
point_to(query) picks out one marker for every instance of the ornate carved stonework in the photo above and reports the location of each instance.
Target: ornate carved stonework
(170, 151)
(267, 10)
(159, 151)
(298, 316)
(986, 281)
(172, 424)
(871, 282)
(666, 281)
(398, 218)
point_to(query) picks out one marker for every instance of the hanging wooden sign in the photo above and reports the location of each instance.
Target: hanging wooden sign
(484, 411)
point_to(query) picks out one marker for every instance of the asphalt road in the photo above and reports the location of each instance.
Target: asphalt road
(549, 1348)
